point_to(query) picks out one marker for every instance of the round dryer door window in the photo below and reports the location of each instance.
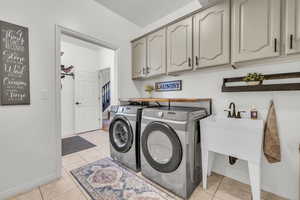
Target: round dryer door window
(120, 134)
(161, 147)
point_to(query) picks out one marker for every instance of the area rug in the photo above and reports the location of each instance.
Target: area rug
(106, 180)
(75, 144)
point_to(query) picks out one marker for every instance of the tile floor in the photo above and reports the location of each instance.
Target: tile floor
(66, 188)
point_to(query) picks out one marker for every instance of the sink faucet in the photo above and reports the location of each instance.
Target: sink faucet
(232, 111)
(232, 108)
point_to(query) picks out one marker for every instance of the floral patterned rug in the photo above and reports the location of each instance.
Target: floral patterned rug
(106, 180)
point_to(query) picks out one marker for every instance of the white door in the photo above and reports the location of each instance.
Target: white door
(180, 46)
(292, 26)
(139, 58)
(87, 101)
(255, 29)
(156, 53)
(212, 36)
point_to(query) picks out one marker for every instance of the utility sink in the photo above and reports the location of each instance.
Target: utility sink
(240, 138)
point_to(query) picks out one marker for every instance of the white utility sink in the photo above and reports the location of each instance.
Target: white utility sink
(240, 138)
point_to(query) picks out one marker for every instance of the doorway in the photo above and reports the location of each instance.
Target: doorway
(105, 87)
(83, 95)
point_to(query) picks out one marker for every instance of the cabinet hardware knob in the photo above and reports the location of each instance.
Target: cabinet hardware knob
(291, 41)
(147, 70)
(197, 60)
(190, 62)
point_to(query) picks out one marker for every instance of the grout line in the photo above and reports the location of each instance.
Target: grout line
(218, 187)
(42, 196)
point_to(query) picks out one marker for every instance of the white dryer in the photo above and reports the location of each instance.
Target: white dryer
(171, 147)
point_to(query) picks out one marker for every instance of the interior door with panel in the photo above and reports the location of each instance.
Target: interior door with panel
(179, 46)
(212, 36)
(156, 53)
(292, 26)
(87, 101)
(255, 29)
(139, 58)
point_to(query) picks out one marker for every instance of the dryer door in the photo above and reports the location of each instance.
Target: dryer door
(121, 134)
(161, 147)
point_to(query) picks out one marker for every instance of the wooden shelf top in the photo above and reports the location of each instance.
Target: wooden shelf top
(162, 100)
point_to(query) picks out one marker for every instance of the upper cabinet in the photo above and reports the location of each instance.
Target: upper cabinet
(292, 26)
(179, 46)
(212, 36)
(255, 29)
(139, 57)
(156, 53)
(231, 31)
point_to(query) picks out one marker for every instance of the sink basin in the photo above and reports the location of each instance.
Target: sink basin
(241, 138)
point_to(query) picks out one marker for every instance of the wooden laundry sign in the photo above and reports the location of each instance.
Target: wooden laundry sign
(14, 65)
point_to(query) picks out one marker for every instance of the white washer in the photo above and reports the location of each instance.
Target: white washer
(171, 147)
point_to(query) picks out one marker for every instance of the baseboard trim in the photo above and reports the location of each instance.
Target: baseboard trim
(28, 186)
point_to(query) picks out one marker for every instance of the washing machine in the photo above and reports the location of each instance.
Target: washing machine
(171, 148)
(124, 136)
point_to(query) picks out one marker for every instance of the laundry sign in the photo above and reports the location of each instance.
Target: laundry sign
(168, 86)
(14, 65)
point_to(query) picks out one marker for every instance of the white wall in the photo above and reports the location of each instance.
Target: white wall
(29, 143)
(281, 178)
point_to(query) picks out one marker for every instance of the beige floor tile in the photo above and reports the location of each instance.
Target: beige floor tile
(213, 183)
(200, 194)
(72, 158)
(57, 188)
(73, 166)
(73, 161)
(233, 190)
(92, 155)
(270, 196)
(73, 194)
(32, 195)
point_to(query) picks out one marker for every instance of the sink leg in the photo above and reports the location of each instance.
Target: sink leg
(204, 167)
(254, 173)
(211, 159)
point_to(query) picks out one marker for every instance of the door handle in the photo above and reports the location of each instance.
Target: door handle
(147, 70)
(275, 45)
(291, 41)
(77, 103)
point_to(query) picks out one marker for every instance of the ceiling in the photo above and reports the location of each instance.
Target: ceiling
(143, 12)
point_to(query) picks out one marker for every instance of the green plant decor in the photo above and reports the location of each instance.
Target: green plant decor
(149, 89)
(254, 77)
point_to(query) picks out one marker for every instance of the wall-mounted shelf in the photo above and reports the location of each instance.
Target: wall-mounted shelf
(263, 87)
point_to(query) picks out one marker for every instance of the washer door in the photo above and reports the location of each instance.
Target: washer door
(161, 147)
(120, 134)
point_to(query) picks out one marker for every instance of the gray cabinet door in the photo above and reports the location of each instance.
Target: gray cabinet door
(139, 58)
(212, 36)
(179, 46)
(156, 53)
(292, 26)
(255, 29)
